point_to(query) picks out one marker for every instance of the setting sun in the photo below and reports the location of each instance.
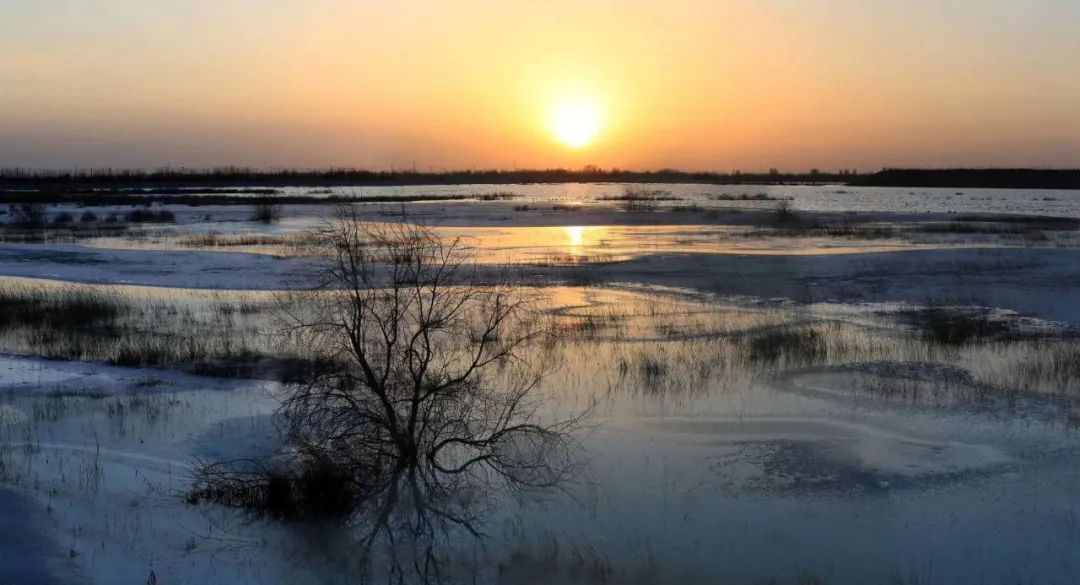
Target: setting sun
(575, 123)
(507, 292)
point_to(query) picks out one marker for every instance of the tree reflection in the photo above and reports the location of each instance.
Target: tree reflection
(417, 414)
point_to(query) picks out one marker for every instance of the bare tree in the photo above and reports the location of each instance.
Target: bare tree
(428, 388)
(430, 368)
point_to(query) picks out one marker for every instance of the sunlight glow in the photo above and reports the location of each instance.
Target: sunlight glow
(575, 123)
(574, 235)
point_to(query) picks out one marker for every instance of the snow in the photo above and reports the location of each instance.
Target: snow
(769, 477)
(180, 269)
(1038, 282)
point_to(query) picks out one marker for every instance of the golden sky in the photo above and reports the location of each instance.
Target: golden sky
(693, 84)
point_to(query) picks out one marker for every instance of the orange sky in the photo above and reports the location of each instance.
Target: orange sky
(693, 84)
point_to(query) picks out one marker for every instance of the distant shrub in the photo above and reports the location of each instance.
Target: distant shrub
(27, 215)
(745, 197)
(784, 213)
(638, 205)
(636, 198)
(958, 327)
(150, 216)
(500, 196)
(63, 218)
(692, 208)
(802, 344)
(88, 217)
(266, 212)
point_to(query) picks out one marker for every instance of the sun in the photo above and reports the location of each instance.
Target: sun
(575, 123)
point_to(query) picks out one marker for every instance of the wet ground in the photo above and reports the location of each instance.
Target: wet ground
(720, 449)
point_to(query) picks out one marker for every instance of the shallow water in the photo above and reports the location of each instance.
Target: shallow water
(711, 466)
(807, 197)
(829, 198)
(717, 449)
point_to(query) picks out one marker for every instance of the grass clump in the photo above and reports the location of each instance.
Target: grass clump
(799, 344)
(636, 198)
(278, 244)
(266, 211)
(300, 487)
(56, 311)
(26, 215)
(951, 326)
(88, 324)
(150, 216)
(499, 196)
(745, 197)
(785, 215)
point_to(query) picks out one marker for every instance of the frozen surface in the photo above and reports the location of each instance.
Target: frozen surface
(1039, 282)
(28, 555)
(837, 198)
(790, 485)
(209, 270)
(746, 473)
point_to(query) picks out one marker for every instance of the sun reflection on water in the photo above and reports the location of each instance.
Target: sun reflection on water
(574, 236)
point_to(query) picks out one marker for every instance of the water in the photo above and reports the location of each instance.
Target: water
(706, 460)
(837, 198)
(722, 469)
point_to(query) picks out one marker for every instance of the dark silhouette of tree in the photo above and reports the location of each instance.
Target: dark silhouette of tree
(423, 404)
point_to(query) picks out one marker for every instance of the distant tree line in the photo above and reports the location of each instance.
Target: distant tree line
(244, 177)
(69, 181)
(973, 178)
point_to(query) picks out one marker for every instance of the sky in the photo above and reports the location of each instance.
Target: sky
(435, 84)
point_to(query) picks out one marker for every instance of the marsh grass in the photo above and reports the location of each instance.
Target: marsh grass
(583, 260)
(632, 343)
(64, 233)
(785, 221)
(745, 197)
(800, 344)
(587, 327)
(278, 245)
(1028, 230)
(498, 196)
(58, 310)
(958, 326)
(640, 199)
(685, 354)
(289, 244)
(219, 337)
